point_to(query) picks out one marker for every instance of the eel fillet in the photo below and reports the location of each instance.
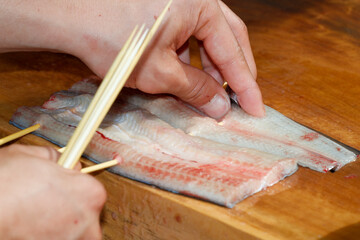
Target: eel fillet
(166, 143)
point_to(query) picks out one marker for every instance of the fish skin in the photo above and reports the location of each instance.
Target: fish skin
(275, 133)
(209, 170)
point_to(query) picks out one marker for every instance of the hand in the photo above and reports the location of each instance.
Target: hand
(41, 200)
(95, 31)
(225, 52)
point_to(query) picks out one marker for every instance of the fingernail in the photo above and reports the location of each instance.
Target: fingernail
(218, 106)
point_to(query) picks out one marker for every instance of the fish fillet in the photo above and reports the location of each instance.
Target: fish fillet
(275, 133)
(154, 152)
(164, 142)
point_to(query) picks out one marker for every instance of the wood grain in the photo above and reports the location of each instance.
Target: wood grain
(308, 57)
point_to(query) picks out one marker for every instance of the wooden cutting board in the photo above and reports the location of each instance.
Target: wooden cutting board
(308, 57)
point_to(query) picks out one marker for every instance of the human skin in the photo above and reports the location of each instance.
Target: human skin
(41, 200)
(95, 31)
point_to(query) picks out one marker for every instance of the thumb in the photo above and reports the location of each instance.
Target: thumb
(203, 92)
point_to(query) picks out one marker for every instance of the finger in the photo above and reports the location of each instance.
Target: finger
(209, 66)
(240, 32)
(93, 232)
(47, 153)
(202, 91)
(78, 166)
(95, 191)
(184, 53)
(227, 55)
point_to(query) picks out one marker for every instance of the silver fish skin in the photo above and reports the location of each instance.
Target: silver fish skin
(154, 152)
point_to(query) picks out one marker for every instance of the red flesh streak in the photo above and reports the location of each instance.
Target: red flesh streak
(104, 137)
(233, 177)
(101, 135)
(315, 157)
(51, 99)
(188, 174)
(310, 136)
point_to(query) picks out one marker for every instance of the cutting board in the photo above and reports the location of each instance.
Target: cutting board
(308, 58)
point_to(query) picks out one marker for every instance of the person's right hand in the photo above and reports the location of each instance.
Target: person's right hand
(41, 200)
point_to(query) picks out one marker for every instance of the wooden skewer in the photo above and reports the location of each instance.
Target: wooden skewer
(61, 150)
(96, 114)
(95, 167)
(118, 75)
(90, 169)
(19, 134)
(100, 166)
(101, 90)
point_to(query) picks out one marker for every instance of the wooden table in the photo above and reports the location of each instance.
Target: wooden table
(308, 57)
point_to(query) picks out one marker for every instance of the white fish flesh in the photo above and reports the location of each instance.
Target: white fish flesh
(274, 133)
(154, 152)
(164, 142)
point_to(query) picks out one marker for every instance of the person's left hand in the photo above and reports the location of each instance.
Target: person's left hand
(95, 31)
(225, 51)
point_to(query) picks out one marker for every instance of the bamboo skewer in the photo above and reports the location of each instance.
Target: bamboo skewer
(95, 167)
(103, 99)
(19, 134)
(100, 166)
(101, 89)
(92, 119)
(61, 150)
(90, 169)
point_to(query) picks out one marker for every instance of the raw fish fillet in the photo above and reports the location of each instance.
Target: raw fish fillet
(154, 151)
(275, 133)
